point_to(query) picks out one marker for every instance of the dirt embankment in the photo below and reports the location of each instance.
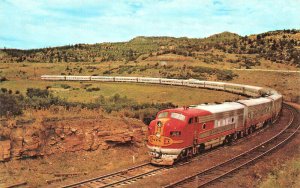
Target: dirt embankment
(31, 137)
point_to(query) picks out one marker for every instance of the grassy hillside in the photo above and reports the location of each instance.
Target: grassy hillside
(276, 46)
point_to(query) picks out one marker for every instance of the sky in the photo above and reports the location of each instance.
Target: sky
(27, 24)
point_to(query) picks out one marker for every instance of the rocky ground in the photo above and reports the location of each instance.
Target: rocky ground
(79, 142)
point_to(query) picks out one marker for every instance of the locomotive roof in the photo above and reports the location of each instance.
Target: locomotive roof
(189, 111)
(251, 102)
(216, 108)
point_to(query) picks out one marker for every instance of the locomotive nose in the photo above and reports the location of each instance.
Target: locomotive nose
(157, 127)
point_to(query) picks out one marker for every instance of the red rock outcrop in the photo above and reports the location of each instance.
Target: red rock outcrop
(57, 136)
(5, 150)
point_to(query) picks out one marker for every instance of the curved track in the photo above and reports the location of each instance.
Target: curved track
(131, 175)
(221, 170)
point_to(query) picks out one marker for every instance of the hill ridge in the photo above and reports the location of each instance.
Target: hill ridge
(282, 46)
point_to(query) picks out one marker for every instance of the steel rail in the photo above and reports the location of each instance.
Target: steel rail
(105, 176)
(133, 177)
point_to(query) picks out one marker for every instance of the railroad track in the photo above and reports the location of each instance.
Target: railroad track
(130, 175)
(118, 178)
(215, 173)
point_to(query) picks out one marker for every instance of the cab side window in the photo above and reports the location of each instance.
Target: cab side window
(191, 120)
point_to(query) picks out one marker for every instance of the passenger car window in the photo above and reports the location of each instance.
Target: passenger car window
(190, 120)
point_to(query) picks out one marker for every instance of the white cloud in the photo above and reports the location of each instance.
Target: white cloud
(34, 24)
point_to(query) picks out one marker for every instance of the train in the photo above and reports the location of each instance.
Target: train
(184, 132)
(245, 90)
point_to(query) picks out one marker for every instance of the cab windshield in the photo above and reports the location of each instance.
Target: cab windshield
(162, 115)
(177, 116)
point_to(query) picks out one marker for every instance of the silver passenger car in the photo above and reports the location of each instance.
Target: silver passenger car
(78, 78)
(53, 77)
(214, 85)
(103, 78)
(126, 79)
(171, 81)
(149, 80)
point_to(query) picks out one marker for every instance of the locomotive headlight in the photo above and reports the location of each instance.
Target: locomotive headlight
(157, 135)
(159, 124)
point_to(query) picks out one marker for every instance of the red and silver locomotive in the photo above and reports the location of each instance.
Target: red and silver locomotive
(183, 132)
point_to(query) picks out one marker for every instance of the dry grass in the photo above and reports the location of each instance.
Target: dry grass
(286, 83)
(139, 92)
(286, 175)
(37, 171)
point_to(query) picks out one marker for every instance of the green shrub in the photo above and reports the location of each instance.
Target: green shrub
(84, 86)
(10, 105)
(3, 90)
(106, 72)
(65, 86)
(226, 75)
(2, 79)
(91, 67)
(35, 92)
(143, 69)
(126, 68)
(200, 69)
(41, 99)
(221, 74)
(93, 89)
